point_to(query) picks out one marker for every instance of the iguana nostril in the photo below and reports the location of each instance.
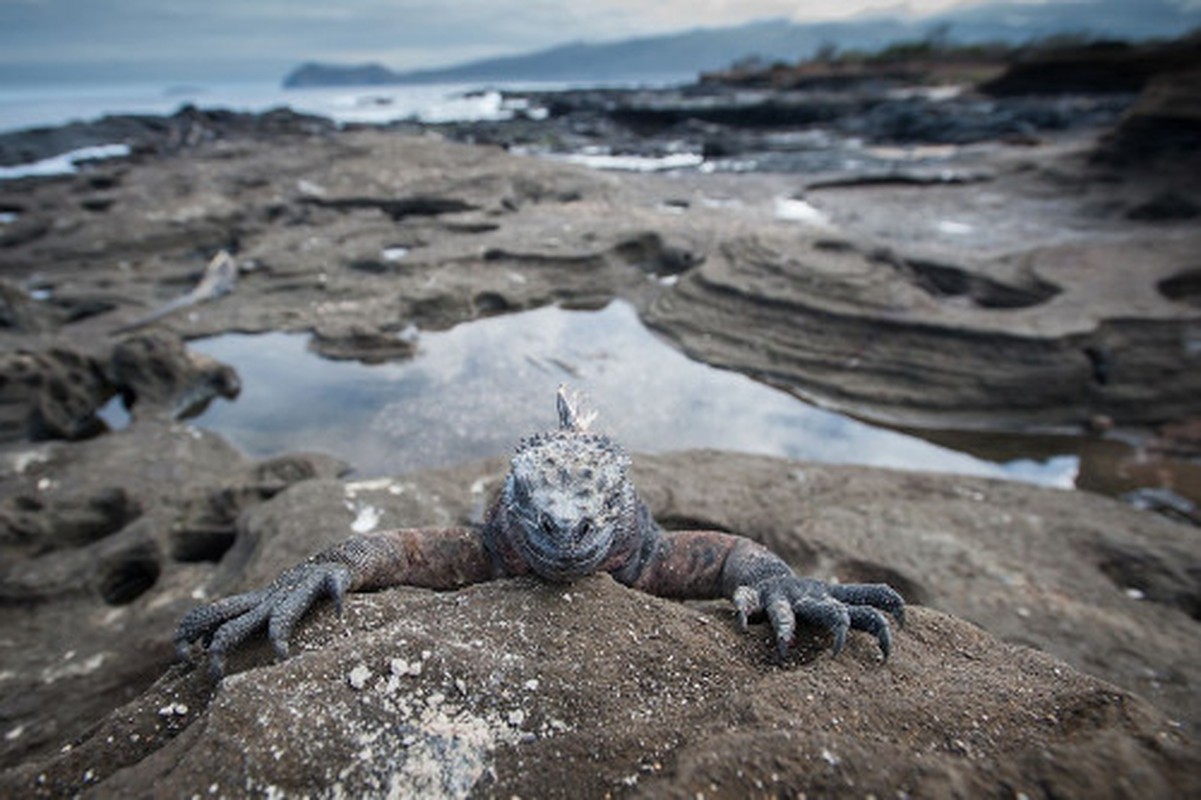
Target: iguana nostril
(583, 530)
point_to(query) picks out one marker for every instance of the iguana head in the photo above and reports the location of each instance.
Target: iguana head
(567, 494)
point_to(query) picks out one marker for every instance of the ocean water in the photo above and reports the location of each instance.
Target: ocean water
(36, 107)
(41, 106)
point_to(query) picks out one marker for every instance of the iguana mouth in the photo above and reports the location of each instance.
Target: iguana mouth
(555, 565)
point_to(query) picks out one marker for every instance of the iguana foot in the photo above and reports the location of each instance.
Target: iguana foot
(226, 623)
(837, 608)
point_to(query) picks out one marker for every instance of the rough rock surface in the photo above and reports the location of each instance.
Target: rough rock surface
(1163, 125)
(50, 393)
(630, 692)
(1031, 317)
(56, 390)
(517, 689)
(157, 374)
(100, 540)
(1015, 337)
(188, 128)
(1096, 67)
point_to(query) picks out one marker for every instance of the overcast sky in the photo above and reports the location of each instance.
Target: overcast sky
(267, 37)
(262, 39)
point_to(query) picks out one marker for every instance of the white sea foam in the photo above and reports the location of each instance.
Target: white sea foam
(633, 163)
(792, 209)
(64, 163)
(432, 104)
(952, 228)
(35, 106)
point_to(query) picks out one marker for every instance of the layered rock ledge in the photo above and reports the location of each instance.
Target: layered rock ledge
(1036, 298)
(501, 688)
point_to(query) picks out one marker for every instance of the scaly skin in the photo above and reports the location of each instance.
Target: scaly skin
(567, 510)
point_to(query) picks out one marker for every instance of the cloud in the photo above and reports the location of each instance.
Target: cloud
(57, 30)
(47, 30)
(270, 35)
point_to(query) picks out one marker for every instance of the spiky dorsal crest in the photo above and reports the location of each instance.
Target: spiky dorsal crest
(573, 416)
(574, 423)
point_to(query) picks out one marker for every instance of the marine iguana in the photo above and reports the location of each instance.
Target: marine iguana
(567, 509)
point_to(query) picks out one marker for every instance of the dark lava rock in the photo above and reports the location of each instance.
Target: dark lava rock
(516, 689)
(826, 320)
(51, 393)
(1163, 126)
(157, 374)
(1093, 68)
(360, 342)
(56, 392)
(187, 128)
(102, 542)
(38, 525)
(21, 313)
(1168, 205)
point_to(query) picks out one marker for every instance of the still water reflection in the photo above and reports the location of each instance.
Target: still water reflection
(473, 391)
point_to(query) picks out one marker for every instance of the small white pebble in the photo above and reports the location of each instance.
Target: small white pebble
(953, 228)
(366, 519)
(516, 717)
(359, 676)
(1136, 594)
(531, 685)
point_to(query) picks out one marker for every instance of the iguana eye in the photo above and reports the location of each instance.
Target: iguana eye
(546, 524)
(584, 528)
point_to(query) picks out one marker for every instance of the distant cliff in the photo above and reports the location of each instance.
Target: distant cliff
(676, 56)
(314, 74)
(684, 55)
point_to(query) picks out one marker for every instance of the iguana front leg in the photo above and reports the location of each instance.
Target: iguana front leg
(432, 558)
(706, 564)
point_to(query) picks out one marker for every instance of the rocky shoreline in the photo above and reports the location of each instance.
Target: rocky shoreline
(1043, 282)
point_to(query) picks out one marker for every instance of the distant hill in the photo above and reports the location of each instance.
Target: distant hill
(683, 55)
